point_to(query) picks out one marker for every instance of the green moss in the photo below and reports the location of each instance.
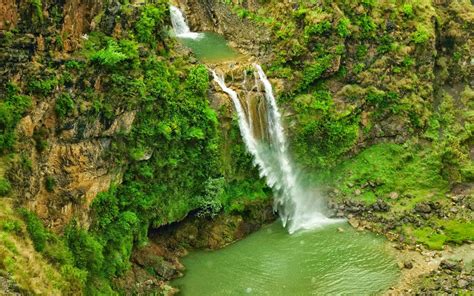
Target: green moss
(394, 168)
(452, 231)
(430, 238)
(458, 232)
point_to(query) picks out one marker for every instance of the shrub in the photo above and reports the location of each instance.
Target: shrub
(198, 80)
(407, 10)
(35, 228)
(12, 226)
(151, 22)
(367, 25)
(210, 204)
(421, 35)
(317, 29)
(43, 87)
(315, 70)
(86, 250)
(64, 105)
(5, 187)
(50, 183)
(343, 27)
(11, 111)
(109, 56)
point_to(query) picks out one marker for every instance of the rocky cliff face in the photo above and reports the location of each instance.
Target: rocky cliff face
(67, 163)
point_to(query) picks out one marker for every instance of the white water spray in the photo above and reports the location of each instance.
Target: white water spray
(180, 26)
(298, 207)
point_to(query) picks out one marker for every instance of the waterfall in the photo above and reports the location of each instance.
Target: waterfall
(298, 207)
(180, 27)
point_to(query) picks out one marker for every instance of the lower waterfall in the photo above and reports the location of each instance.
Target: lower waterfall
(298, 207)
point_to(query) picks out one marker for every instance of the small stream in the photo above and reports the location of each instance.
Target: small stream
(273, 262)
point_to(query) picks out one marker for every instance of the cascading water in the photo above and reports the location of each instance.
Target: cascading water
(298, 207)
(180, 26)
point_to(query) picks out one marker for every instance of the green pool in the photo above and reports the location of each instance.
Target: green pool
(210, 47)
(272, 262)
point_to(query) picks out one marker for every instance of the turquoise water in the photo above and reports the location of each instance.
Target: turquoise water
(211, 47)
(272, 262)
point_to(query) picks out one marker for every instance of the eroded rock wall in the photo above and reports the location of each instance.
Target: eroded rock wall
(62, 162)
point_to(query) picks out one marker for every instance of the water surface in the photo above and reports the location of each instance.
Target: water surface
(210, 47)
(272, 262)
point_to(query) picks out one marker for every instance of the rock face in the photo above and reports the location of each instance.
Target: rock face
(207, 233)
(75, 162)
(63, 162)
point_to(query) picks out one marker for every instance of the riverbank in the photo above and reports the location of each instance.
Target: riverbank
(434, 272)
(423, 271)
(157, 263)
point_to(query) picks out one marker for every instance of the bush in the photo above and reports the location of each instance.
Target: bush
(64, 105)
(11, 111)
(43, 87)
(5, 187)
(343, 27)
(421, 35)
(210, 204)
(198, 80)
(50, 183)
(315, 70)
(86, 250)
(109, 56)
(407, 10)
(35, 228)
(151, 22)
(12, 226)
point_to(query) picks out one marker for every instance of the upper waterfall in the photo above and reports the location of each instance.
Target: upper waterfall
(180, 26)
(298, 207)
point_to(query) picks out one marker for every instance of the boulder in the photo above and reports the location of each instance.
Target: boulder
(408, 264)
(423, 207)
(450, 265)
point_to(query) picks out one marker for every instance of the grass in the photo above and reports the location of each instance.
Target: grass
(451, 231)
(392, 168)
(28, 269)
(415, 173)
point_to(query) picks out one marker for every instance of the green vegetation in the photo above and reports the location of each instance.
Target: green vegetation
(50, 183)
(12, 109)
(421, 35)
(64, 105)
(358, 79)
(149, 27)
(5, 187)
(335, 134)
